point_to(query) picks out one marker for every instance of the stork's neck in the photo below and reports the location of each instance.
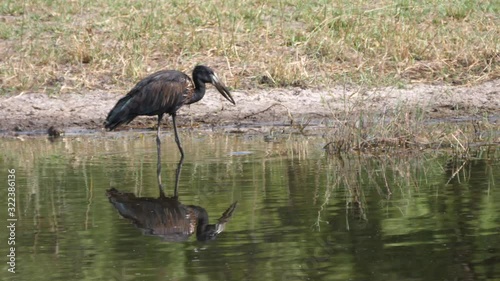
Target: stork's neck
(201, 218)
(199, 90)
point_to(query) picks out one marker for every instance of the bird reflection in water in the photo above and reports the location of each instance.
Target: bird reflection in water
(167, 217)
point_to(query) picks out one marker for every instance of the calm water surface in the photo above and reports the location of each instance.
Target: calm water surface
(301, 215)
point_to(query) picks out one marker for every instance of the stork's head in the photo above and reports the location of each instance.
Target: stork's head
(206, 75)
(210, 231)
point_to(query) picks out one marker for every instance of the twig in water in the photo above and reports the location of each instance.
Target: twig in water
(456, 172)
(273, 105)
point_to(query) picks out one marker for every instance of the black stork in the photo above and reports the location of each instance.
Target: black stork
(164, 92)
(168, 218)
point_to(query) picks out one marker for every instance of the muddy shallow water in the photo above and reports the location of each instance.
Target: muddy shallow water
(300, 214)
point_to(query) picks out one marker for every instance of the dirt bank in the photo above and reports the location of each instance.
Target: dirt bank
(34, 111)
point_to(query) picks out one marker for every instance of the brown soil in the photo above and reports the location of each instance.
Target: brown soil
(33, 112)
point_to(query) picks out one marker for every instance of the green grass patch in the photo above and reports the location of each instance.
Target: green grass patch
(61, 46)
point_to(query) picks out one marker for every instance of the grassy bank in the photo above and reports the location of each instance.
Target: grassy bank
(60, 46)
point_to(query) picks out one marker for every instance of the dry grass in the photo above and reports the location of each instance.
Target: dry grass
(59, 46)
(403, 130)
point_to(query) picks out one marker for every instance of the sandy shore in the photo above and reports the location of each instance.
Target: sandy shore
(35, 111)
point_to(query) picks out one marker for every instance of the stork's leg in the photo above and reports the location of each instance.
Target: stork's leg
(178, 176)
(177, 138)
(158, 150)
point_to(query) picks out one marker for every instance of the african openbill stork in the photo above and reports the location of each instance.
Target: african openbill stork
(164, 92)
(166, 216)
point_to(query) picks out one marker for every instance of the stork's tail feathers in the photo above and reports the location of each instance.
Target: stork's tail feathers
(120, 114)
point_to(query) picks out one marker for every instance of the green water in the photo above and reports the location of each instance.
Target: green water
(301, 215)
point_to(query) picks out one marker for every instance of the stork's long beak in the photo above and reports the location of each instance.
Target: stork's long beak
(221, 222)
(222, 88)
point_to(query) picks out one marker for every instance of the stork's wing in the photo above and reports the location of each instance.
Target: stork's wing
(161, 92)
